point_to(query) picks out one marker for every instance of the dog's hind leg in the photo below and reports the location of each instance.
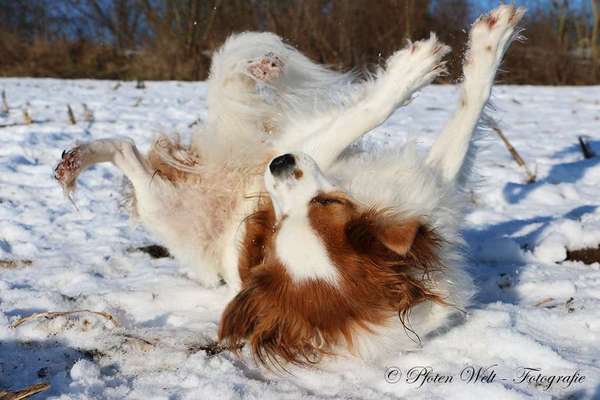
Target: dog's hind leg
(490, 37)
(163, 210)
(407, 71)
(121, 152)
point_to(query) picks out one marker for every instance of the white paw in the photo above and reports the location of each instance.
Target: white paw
(266, 68)
(419, 62)
(492, 33)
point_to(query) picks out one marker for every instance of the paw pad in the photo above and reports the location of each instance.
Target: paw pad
(266, 68)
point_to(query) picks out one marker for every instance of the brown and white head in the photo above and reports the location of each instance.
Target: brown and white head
(324, 269)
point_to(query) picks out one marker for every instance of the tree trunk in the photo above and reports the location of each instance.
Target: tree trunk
(595, 30)
(594, 39)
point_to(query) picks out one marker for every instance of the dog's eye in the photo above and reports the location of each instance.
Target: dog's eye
(326, 201)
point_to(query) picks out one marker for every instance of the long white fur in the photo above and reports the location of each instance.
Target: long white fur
(409, 185)
(302, 253)
(244, 112)
(200, 220)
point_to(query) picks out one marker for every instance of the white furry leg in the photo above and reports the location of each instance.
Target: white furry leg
(407, 71)
(490, 37)
(162, 207)
(121, 152)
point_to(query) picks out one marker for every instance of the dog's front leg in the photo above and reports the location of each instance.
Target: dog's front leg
(490, 37)
(121, 152)
(407, 71)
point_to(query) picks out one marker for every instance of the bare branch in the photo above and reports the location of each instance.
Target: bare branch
(72, 119)
(54, 314)
(531, 177)
(5, 108)
(585, 148)
(24, 393)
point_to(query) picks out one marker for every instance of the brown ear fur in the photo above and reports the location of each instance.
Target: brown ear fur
(398, 237)
(268, 314)
(260, 227)
(405, 252)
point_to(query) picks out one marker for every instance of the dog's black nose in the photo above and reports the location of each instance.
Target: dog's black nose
(282, 163)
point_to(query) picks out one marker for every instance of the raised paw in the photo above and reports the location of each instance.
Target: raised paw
(266, 68)
(68, 169)
(420, 62)
(492, 33)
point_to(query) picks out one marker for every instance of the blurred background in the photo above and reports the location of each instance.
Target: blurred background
(174, 39)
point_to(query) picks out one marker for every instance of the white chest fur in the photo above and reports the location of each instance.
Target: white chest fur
(302, 252)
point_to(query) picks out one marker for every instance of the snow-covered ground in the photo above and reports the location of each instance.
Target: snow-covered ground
(533, 310)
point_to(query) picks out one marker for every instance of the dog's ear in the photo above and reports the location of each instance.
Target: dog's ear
(378, 234)
(398, 237)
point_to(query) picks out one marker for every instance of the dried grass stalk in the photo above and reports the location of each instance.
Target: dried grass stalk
(25, 393)
(5, 108)
(12, 264)
(88, 114)
(544, 301)
(54, 314)
(531, 177)
(72, 119)
(585, 148)
(27, 120)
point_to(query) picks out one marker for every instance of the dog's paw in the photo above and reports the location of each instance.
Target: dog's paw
(492, 33)
(420, 62)
(266, 68)
(68, 169)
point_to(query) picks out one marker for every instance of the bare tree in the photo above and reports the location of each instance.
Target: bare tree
(562, 9)
(595, 33)
(121, 19)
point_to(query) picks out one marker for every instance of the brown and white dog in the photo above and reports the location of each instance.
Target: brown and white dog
(337, 258)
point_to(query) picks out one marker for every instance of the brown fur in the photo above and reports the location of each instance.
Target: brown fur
(260, 227)
(298, 174)
(384, 267)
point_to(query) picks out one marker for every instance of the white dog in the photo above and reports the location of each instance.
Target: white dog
(194, 200)
(342, 253)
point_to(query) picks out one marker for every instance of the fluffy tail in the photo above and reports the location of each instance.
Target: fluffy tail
(489, 38)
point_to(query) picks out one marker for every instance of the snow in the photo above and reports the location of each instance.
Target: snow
(534, 309)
